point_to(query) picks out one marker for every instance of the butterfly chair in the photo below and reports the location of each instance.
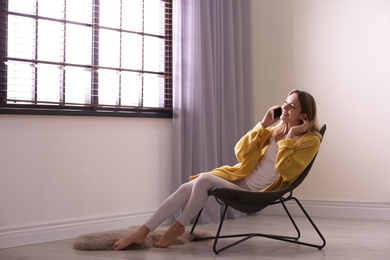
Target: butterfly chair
(251, 202)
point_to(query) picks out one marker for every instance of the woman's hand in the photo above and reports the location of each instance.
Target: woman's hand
(268, 118)
(299, 129)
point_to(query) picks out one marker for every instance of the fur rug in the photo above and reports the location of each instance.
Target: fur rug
(103, 241)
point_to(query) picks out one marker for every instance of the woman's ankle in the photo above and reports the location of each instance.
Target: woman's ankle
(142, 231)
(174, 231)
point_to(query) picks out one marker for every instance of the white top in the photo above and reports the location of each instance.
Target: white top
(264, 173)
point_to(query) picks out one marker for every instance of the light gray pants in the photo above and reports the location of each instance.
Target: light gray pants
(192, 196)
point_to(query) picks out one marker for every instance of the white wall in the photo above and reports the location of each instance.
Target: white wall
(338, 50)
(64, 176)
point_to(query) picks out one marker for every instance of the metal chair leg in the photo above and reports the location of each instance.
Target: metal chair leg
(247, 236)
(196, 221)
(313, 225)
(292, 221)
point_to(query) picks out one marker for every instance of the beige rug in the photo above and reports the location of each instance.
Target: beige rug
(103, 241)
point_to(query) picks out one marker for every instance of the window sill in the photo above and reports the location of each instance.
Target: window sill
(85, 111)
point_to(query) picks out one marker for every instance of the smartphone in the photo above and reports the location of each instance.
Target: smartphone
(277, 113)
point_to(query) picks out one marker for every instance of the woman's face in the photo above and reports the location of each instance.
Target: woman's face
(292, 110)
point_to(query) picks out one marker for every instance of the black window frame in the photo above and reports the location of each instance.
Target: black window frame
(93, 109)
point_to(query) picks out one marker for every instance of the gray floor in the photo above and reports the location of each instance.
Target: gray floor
(346, 239)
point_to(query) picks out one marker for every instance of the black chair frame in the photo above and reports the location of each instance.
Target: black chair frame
(252, 202)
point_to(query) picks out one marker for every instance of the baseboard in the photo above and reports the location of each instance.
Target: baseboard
(332, 209)
(27, 235)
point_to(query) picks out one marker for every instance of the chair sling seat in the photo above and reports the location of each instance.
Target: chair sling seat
(252, 201)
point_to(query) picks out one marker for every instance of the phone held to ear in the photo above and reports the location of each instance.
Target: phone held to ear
(276, 113)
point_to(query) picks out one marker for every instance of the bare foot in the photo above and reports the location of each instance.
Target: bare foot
(137, 237)
(170, 235)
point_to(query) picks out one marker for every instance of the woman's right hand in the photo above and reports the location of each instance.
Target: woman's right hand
(268, 118)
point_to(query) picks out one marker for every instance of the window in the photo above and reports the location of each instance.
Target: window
(86, 57)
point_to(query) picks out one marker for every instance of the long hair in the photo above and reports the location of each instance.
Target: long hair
(309, 107)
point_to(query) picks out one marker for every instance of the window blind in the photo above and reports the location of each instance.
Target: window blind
(86, 55)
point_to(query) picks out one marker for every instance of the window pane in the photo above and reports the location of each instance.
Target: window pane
(78, 44)
(20, 79)
(110, 13)
(131, 54)
(153, 58)
(48, 83)
(51, 8)
(79, 11)
(152, 16)
(108, 87)
(21, 37)
(132, 20)
(22, 6)
(77, 85)
(50, 41)
(152, 91)
(131, 89)
(109, 48)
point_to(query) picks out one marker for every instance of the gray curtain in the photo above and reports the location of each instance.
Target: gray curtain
(212, 87)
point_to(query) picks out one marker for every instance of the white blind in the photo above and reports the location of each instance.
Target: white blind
(94, 53)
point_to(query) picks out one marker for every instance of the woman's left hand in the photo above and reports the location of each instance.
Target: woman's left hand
(299, 129)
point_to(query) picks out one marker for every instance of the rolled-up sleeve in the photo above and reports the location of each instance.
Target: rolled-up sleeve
(251, 140)
(293, 157)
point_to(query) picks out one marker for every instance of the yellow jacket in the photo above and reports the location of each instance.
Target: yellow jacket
(292, 158)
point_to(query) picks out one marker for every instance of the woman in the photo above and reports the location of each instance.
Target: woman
(269, 158)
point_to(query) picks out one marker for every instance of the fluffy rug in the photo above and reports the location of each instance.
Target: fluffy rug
(104, 241)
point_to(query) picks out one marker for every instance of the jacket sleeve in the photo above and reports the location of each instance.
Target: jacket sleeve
(254, 139)
(248, 151)
(292, 158)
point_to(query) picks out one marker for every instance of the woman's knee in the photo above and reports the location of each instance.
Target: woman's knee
(205, 180)
(185, 188)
